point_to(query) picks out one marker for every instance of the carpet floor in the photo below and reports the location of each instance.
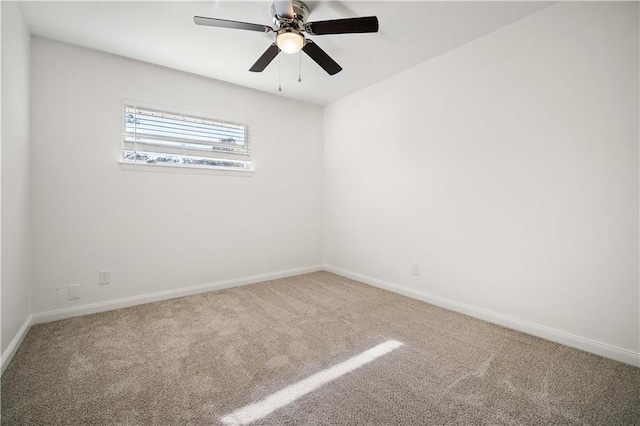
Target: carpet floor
(315, 349)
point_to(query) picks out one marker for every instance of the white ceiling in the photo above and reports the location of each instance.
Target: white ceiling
(163, 33)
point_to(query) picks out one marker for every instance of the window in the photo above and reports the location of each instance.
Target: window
(152, 136)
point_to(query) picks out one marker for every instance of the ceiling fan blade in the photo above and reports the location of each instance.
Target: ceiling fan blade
(223, 23)
(265, 59)
(321, 58)
(367, 24)
(284, 8)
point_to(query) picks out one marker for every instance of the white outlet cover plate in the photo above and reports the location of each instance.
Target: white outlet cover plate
(415, 269)
(74, 291)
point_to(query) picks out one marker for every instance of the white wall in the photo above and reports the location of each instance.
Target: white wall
(15, 173)
(157, 231)
(508, 168)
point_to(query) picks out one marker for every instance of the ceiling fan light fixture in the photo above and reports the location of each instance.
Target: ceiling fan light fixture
(290, 41)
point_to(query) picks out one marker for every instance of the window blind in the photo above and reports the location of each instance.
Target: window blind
(154, 136)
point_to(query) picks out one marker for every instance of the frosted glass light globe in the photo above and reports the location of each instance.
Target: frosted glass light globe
(290, 42)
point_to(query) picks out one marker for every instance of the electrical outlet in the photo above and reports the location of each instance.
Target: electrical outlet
(74, 292)
(104, 277)
(415, 269)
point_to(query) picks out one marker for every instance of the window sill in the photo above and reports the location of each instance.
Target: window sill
(178, 168)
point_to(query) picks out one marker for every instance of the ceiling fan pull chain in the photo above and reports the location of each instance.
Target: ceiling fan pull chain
(279, 77)
(300, 67)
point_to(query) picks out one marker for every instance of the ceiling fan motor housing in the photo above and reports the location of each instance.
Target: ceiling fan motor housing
(300, 15)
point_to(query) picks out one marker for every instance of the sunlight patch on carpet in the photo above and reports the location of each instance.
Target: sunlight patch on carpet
(252, 412)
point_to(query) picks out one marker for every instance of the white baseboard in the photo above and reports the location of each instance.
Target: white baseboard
(109, 305)
(588, 345)
(8, 354)
(558, 336)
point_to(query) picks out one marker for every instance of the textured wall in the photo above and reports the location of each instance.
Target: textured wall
(507, 168)
(16, 209)
(154, 230)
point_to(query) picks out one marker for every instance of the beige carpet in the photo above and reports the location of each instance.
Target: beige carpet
(197, 359)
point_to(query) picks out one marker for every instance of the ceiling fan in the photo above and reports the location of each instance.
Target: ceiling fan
(290, 20)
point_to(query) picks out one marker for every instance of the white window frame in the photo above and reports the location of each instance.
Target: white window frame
(244, 158)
